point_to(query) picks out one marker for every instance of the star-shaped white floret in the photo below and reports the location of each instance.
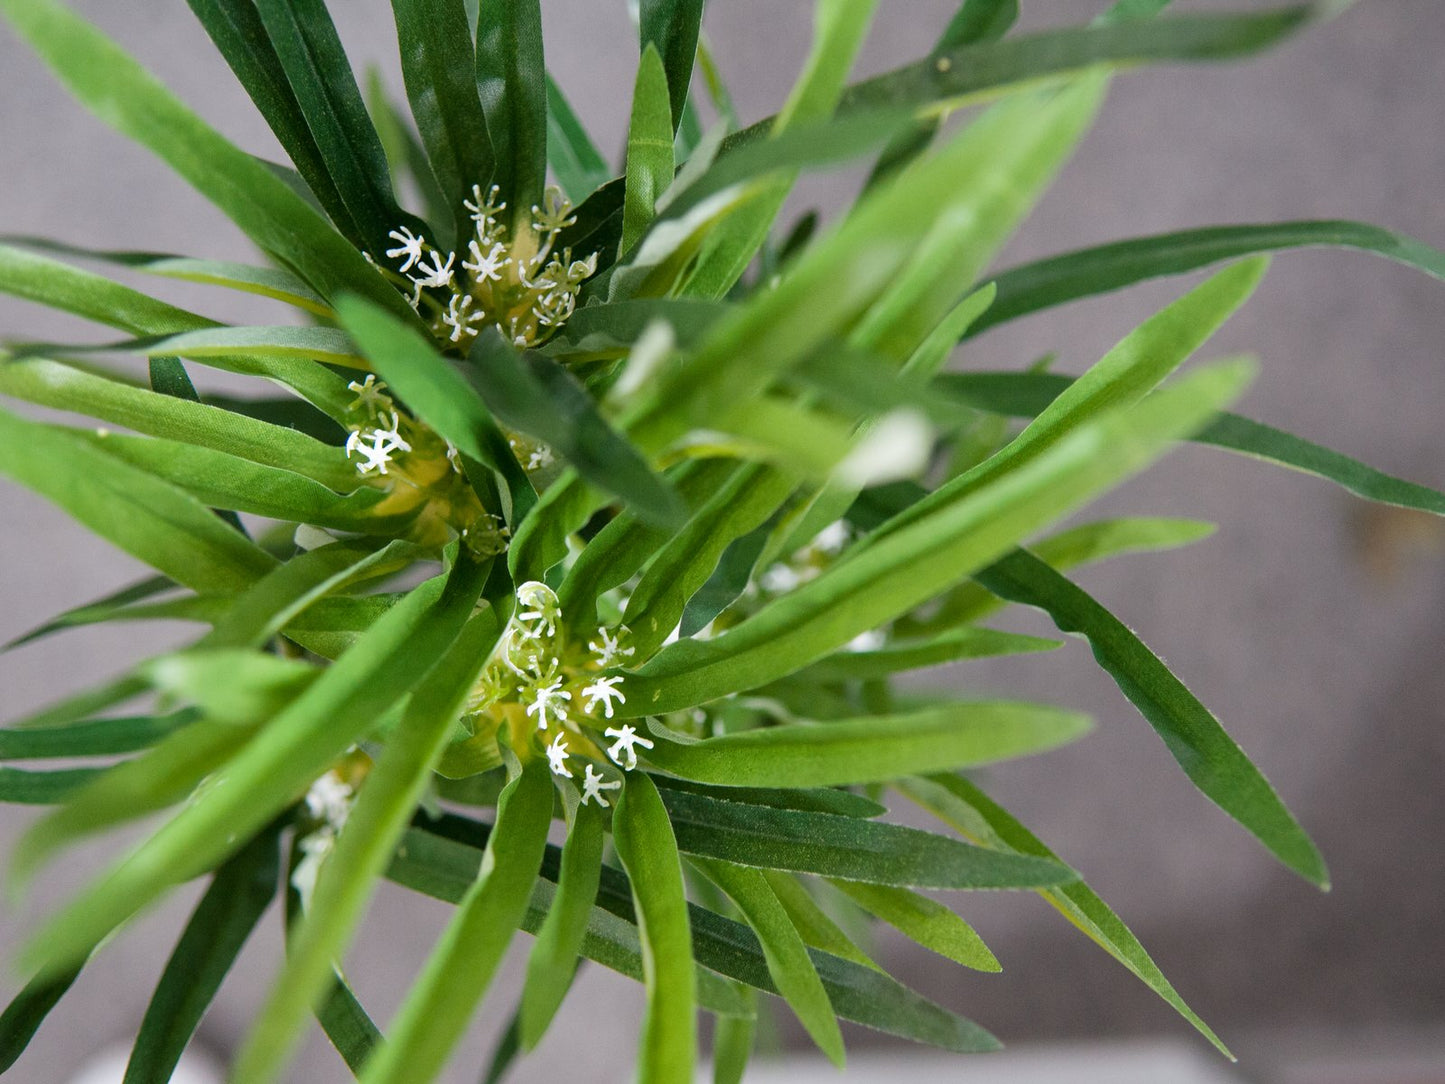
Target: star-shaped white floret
(329, 799)
(393, 434)
(608, 648)
(409, 250)
(484, 209)
(603, 691)
(460, 317)
(486, 266)
(376, 454)
(540, 458)
(624, 750)
(438, 275)
(593, 786)
(557, 756)
(549, 698)
(537, 606)
(555, 212)
(370, 394)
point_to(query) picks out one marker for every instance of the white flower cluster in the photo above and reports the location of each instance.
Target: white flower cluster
(562, 689)
(328, 803)
(520, 284)
(377, 436)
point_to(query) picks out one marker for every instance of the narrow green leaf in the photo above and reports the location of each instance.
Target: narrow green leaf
(1026, 394)
(869, 750)
(923, 920)
(553, 960)
(240, 892)
(858, 850)
(99, 737)
(102, 609)
(811, 799)
(788, 962)
(964, 643)
(458, 971)
(962, 805)
(347, 1025)
(512, 85)
(531, 392)
(112, 85)
(1208, 755)
(573, 157)
(671, 27)
(275, 766)
(145, 517)
(917, 561)
(644, 839)
(814, 924)
(649, 148)
(27, 1011)
(732, 1048)
(504, 1054)
(25, 787)
(438, 64)
(1060, 279)
(350, 874)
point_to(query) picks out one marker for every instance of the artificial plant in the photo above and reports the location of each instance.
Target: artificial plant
(612, 501)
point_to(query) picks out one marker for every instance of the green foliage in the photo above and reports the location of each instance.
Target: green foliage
(619, 515)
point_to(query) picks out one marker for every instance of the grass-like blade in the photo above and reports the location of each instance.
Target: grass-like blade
(239, 894)
(96, 738)
(116, 88)
(438, 65)
(1087, 272)
(918, 561)
(296, 746)
(964, 643)
(1208, 755)
(457, 973)
(574, 158)
(649, 148)
(21, 786)
(732, 1048)
(858, 850)
(531, 392)
(102, 609)
(27, 1011)
(512, 84)
(144, 516)
(869, 750)
(967, 809)
(787, 957)
(347, 879)
(643, 834)
(553, 960)
(310, 53)
(923, 920)
(811, 799)
(1027, 394)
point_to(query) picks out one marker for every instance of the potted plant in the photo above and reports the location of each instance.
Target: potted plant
(618, 503)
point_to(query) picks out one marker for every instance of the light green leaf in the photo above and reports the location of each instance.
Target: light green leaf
(458, 971)
(788, 963)
(732, 1048)
(868, 750)
(553, 960)
(649, 148)
(961, 804)
(644, 839)
(923, 920)
(112, 85)
(814, 924)
(917, 561)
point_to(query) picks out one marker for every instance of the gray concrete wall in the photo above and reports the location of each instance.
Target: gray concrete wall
(1311, 624)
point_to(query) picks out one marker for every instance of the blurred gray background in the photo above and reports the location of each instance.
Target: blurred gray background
(1312, 624)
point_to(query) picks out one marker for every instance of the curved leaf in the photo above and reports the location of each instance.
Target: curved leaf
(923, 920)
(649, 148)
(671, 27)
(512, 84)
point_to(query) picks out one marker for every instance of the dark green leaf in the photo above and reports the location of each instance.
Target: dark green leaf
(27, 1011)
(1059, 279)
(512, 84)
(964, 643)
(102, 609)
(1208, 755)
(812, 799)
(671, 26)
(100, 737)
(579, 167)
(240, 892)
(439, 66)
(858, 850)
(531, 392)
(649, 149)
(24, 787)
